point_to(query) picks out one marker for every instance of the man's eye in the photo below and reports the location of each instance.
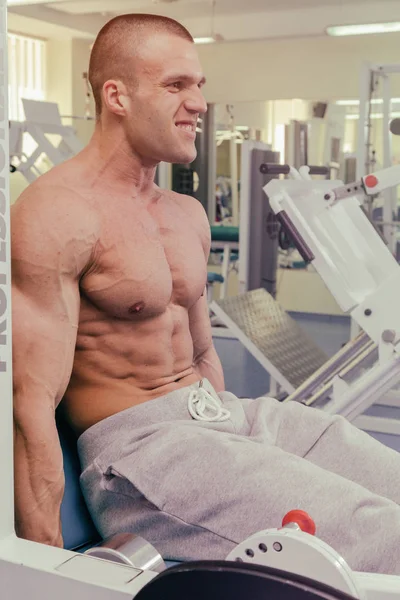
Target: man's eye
(177, 85)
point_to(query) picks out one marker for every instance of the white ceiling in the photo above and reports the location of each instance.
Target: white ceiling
(183, 9)
(235, 20)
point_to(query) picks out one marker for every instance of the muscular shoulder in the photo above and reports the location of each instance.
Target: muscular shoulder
(195, 210)
(190, 205)
(55, 225)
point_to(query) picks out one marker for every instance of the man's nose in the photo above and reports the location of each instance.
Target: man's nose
(195, 102)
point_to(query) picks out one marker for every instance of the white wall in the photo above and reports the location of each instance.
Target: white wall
(314, 69)
(80, 64)
(249, 114)
(59, 74)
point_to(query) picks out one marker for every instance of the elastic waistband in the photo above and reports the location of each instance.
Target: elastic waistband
(113, 429)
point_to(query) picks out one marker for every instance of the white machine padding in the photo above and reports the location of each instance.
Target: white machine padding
(40, 112)
(263, 325)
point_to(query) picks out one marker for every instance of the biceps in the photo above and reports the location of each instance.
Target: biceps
(43, 350)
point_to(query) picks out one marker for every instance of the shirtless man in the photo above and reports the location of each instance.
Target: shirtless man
(110, 319)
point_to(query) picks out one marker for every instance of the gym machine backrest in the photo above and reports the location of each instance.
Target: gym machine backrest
(78, 529)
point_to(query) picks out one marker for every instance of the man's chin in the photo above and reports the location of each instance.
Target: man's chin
(181, 157)
(186, 159)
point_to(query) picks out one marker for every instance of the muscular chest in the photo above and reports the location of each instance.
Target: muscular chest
(144, 261)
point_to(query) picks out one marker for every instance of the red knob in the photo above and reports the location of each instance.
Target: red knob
(303, 520)
(371, 181)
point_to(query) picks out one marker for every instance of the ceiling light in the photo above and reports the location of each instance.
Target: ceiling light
(365, 29)
(355, 117)
(357, 102)
(347, 102)
(210, 39)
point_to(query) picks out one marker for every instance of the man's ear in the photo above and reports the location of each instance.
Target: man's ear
(115, 97)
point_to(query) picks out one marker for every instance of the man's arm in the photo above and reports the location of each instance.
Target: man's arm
(49, 249)
(205, 358)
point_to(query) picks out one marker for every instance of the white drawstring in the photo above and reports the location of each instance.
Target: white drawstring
(200, 400)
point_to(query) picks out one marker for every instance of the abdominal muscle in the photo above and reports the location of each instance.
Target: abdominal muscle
(119, 364)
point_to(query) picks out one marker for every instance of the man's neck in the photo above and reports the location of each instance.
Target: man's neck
(114, 163)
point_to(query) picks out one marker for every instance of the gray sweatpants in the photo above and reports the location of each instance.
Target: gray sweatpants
(195, 489)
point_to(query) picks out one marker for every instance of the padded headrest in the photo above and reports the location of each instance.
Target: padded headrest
(77, 525)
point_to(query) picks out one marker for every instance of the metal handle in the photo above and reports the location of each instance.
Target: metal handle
(370, 352)
(329, 369)
(274, 169)
(315, 170)
(302, 247)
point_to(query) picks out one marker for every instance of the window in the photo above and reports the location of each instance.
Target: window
(26, 72)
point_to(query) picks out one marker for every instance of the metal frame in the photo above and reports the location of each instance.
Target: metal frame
(369, 72)
(211, 164)
(244, 226)
(342, 396)
(385, 425)
(6, 424)
(326, 387)
(360, 271)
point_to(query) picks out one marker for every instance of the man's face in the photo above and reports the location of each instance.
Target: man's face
(166, 100)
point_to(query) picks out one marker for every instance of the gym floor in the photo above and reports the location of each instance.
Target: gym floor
(245, 377)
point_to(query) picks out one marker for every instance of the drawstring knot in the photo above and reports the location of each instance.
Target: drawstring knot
(204, 406)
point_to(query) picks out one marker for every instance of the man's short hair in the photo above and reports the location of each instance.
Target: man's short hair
(108, 59)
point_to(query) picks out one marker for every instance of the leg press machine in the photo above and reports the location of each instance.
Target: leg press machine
(328, 224)
(287, 562)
